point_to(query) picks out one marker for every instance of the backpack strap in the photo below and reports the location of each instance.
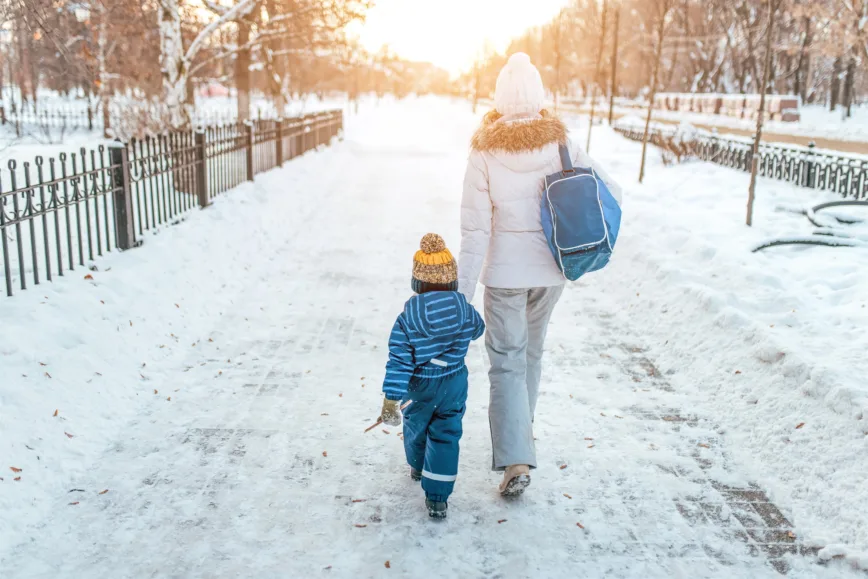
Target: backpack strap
(565, 159)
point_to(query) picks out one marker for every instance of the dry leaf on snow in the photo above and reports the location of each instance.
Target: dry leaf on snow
(563, 466)
(801, 424)
(501, 521)
(17, 478)
(386, 431)
(103, 492)
(14, 469)
(48, 375)
(88, 276)
(359, 500)
(68, 435)
(568, 496)
(325, 453)
(43, 364)
(588, 438)
(56, 412)
(73, 504)
(703, 445)
(590, 446)
(388, 565)
(580, 525)
(791, 535)
(359, 526)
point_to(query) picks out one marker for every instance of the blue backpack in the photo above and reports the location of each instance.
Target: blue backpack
(580, 219)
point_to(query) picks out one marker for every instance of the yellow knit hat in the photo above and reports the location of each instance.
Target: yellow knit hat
(434, 268)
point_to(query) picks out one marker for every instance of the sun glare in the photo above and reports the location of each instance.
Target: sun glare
(451, 33)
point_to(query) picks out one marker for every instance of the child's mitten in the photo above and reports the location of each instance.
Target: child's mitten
(391, 414)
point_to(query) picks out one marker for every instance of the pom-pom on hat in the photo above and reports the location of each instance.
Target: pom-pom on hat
(434, 268)
(519, 89)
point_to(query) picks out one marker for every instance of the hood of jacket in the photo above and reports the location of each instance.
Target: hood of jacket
(437, 314)
(523, 144)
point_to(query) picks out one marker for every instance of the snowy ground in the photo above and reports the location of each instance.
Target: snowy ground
(216, 383)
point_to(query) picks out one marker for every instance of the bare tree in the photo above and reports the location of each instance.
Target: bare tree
(767, 77)
(175, 60)
(597, 65)
(614, 74)
(660, 14)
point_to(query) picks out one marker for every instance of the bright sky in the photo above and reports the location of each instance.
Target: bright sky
(450, 33)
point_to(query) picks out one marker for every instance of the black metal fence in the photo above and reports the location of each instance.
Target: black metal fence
(63, 120)
(803, 166)
(58, 214)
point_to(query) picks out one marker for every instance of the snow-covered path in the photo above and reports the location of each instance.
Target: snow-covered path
(257, 465)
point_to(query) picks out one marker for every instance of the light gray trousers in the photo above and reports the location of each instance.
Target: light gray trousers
(516, 323)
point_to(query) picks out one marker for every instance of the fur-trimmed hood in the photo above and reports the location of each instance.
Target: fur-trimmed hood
(496, 135)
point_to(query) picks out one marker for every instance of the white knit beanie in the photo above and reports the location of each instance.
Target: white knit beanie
(520, 88)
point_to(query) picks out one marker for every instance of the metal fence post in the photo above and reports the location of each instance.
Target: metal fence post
(250, 145)
(810, 167)
(202, 170)
(122, 197)
(339, 131)
(278, 150)
(3, 115)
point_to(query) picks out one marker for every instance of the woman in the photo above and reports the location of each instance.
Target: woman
(502, 239)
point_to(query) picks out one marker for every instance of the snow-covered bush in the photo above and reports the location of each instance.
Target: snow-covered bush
(680, 146)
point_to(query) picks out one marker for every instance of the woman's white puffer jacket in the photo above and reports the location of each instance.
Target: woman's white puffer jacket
(501, 228)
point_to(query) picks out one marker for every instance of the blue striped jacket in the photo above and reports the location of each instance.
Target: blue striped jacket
(430, 340)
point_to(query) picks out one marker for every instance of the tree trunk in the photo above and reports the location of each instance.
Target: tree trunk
(658, 53)
(242, 72)
(597, 73)
(848, 88)
(614, 66)
(767, 76)
(276, 65)
(476, 83)
(23, 62)
(173, 64)
(802, 72)
(102, 78)
(836, 84)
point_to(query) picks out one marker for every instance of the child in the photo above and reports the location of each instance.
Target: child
(426, 366)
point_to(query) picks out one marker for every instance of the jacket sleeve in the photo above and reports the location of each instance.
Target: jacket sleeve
(478, 324)
(582, 159)
(476, 214)
(400, 367)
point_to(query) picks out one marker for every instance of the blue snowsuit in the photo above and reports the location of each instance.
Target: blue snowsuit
(427, 348)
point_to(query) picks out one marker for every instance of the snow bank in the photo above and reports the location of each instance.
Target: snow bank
(770, 340)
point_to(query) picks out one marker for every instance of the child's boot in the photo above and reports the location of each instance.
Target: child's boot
(436, 509)
(416, 475)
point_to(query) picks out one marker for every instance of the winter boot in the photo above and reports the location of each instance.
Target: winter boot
(416, 475)
(515, 480)
(436, 510)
